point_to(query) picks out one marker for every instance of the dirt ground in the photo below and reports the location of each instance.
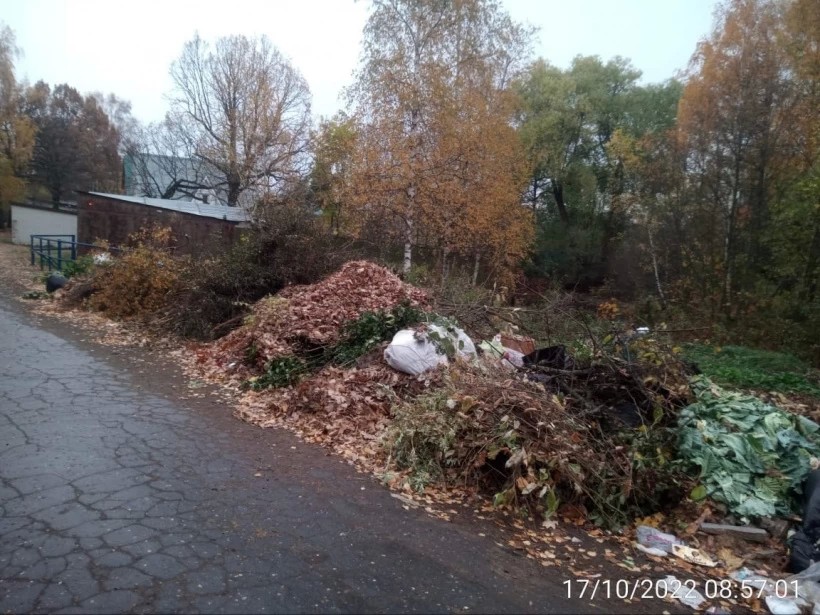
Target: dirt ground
(15, 267)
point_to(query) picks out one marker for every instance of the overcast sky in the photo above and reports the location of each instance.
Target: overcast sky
(127, 47)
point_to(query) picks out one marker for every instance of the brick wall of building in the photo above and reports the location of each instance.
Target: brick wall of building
(103, 218)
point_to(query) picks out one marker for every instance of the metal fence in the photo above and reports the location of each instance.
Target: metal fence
(54, 251)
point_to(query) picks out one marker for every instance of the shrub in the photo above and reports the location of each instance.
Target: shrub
(82, 266)
(280, 372)
(286, 246)
(755, 369)
(138, 282)
(533, 447)
(358, 337)
(370, 329)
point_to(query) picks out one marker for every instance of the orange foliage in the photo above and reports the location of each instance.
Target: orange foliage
(435, 151)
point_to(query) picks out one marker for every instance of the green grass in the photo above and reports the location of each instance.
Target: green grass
(750, 368)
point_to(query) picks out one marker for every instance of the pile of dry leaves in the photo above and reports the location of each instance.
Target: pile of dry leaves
(306, 318)
(344, 409)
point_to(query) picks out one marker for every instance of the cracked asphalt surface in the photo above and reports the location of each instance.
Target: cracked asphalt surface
(118, 496)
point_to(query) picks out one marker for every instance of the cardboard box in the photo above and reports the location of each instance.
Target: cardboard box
(524, 345)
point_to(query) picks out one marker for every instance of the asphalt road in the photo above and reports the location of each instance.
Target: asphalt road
(118, 496)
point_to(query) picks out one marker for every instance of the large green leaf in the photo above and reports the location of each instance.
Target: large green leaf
(752, 456)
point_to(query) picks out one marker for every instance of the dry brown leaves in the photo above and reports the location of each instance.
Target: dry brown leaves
(347, 410)
(804, 405)
(17, 272)
(308, 316)
(317, 312)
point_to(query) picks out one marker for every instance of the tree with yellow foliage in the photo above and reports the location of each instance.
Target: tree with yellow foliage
(16, 130)
(435, 150)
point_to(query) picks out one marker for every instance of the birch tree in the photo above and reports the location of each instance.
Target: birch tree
(430, 73)
(737, 114)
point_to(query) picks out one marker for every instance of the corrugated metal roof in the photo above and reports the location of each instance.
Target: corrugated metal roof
(220, 212)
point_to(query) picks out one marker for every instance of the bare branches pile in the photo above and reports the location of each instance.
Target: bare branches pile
(536, 446)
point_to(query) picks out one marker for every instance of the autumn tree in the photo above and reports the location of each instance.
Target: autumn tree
(796, 219)
(16, 129)
(648, 161)
(737, 114)
(76, 146)
(119, 114)
(330, 175)
(244, 110)
(425, 96)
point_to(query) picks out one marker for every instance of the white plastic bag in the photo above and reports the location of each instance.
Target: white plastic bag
(413, 356)
(507, 357)
(414, 353)
(653, 538)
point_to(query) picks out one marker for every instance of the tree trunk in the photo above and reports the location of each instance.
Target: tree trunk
(445, 270)
(234, 180)
(233, 192)
(534, 194)
(476, 266)
(812, 264)
(652, 251)
(408, 245)
(558, 194)
(729, 245)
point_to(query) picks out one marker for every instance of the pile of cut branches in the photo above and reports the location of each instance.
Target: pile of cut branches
(536, 446)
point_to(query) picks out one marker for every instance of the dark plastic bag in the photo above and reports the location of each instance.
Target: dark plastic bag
(806, 542)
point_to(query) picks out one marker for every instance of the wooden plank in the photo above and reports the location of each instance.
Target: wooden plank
(747, 532)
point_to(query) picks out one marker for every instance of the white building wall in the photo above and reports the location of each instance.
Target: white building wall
(27, 221)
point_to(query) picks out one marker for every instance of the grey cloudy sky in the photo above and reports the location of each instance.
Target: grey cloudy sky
(127, 47)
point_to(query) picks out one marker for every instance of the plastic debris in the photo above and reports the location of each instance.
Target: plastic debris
(55, 281)
(651, 550)
(782, 606)
(684, 593)
(693, 556)
(410, 355)
(653, 538)
(555, 357)
(752, 579)
(415, 352)
(806, 542)
(808, 585)
(809, 592)
(508, 357)
(812, 573)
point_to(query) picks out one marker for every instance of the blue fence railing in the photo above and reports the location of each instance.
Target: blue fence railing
(54, 251)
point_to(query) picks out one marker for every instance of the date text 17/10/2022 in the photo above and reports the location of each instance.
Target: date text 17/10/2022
(642, 589)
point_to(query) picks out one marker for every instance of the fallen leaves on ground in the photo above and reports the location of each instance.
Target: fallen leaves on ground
(347, 411)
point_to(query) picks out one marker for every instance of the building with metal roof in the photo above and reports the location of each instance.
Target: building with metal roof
(198, 228)
(196, 208)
